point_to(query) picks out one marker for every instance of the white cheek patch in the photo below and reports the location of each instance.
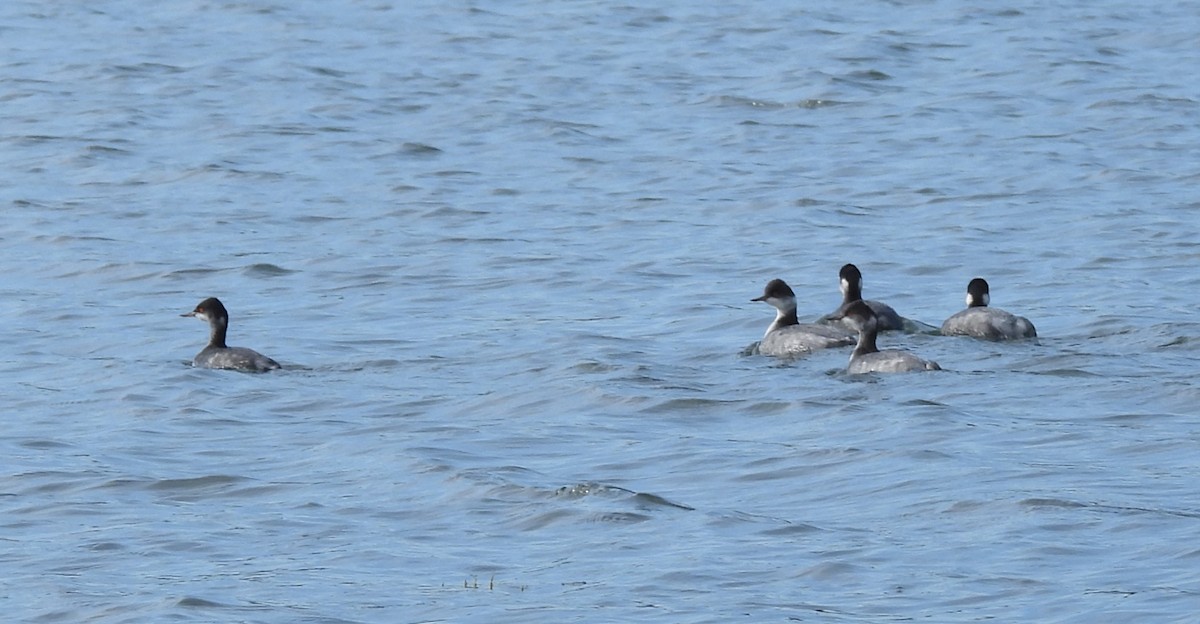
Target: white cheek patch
(983, 300)
(774, 302)
(783, 304)
(202, 316)
(845, 287)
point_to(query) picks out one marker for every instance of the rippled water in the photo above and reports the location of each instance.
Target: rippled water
(506, 252)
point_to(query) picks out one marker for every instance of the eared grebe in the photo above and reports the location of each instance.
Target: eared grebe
(851, 280)
(217, 354)
(980, 321)
(786, 336)
(867, 358)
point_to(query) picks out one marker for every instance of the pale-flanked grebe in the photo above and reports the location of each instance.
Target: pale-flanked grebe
(867, 358)
(217, 354)
(850, 282)
(980, 321)
(786, 336)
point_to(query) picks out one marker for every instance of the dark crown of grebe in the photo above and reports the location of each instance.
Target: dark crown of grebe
(851, 281)
(860, 314)
(210, 308)
(978, 294)
(776, 289)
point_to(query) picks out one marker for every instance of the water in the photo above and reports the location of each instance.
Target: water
(506, 251)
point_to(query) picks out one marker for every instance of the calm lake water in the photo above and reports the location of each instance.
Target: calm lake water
(506, 252)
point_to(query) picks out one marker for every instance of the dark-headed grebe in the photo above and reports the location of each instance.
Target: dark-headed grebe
(980, 321)
(850, 279)
(217, 354)
(867, 358)
(786, 336)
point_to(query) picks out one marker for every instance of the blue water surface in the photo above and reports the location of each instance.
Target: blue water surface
(506, 251)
